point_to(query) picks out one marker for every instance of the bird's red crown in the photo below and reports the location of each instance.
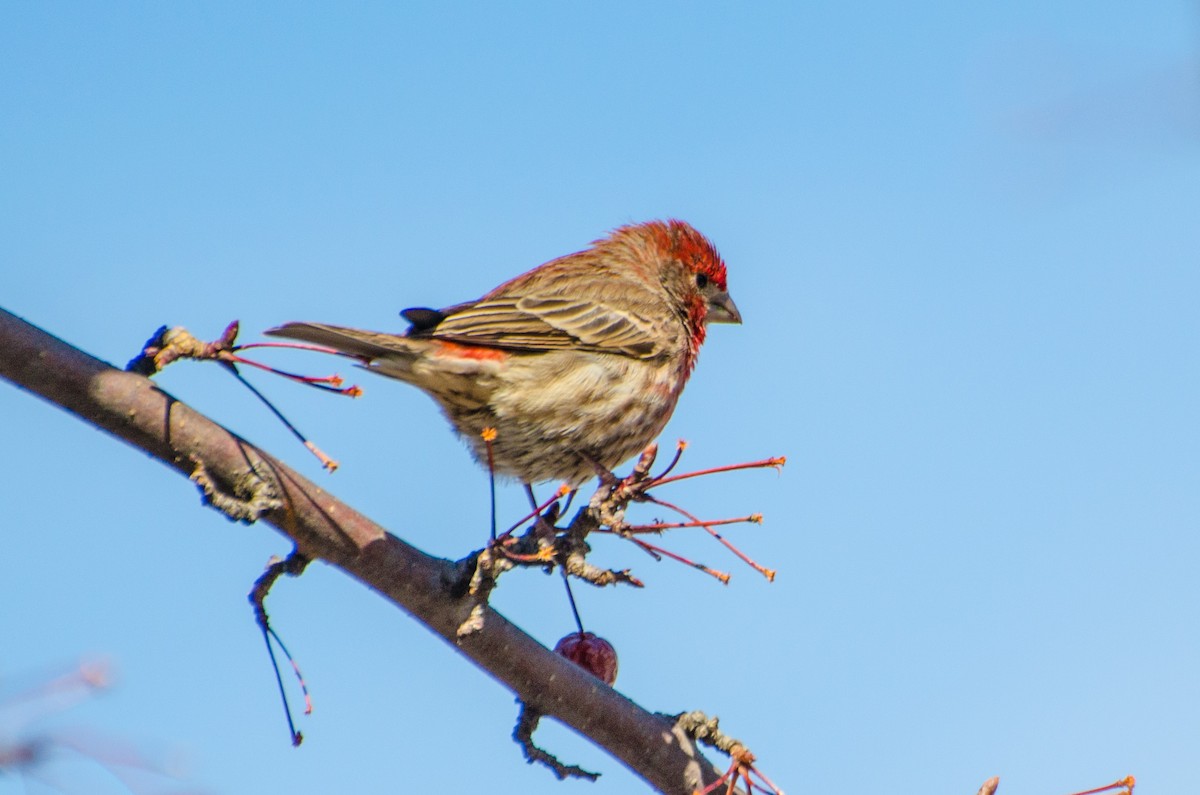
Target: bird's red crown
(693, 249)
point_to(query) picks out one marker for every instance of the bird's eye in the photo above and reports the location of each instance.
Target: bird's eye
(701, 280)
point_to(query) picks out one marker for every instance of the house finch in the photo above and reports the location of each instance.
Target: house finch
(577, 364)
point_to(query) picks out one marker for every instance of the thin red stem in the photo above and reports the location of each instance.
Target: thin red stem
(1128, 782)
(720, 575)
(299, 346)
(753, 518)
(679, 448)
(764, 571)
(771, 784)
(331, 383)
(308, 707)
(562, 492)
(646, 548)
(711, 787)
(766, 463)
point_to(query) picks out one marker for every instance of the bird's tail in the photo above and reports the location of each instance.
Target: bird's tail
(370, 346)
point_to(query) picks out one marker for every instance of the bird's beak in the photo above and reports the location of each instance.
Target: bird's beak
(722, 309)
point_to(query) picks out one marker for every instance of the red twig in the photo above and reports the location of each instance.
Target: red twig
(766, 463)
(742, 767)
(299, 346)
(1128, 782)
(680, 446)
(330, 383)
(763, 570)
(754, 518)
(562, 491)
(659, 551)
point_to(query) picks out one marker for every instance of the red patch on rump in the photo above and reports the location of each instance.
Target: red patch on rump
(456, 351)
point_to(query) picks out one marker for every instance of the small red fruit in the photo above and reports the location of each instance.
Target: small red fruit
(592, 653)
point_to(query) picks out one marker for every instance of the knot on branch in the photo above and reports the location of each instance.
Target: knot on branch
(479, 572)
(168, 344)
(245, 500)
(542, 546)
(527, 723)
(706, 730)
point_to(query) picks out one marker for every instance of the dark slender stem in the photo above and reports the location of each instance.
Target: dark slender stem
(278, 414)
(296, 737)
(571, 598)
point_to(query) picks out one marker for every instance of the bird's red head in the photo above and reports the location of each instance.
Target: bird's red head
(688, 267)
(691, 248)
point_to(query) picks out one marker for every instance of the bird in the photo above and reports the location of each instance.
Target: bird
(577, 364)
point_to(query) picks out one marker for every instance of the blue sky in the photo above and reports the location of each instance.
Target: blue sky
(964, 240)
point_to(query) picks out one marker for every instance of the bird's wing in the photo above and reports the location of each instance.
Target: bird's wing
(545, 323)
(572, 303)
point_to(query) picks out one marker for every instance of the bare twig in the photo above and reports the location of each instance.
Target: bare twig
(293, 566)
(707, 731)
(168, 345)
(1126, 784)
(527, 723)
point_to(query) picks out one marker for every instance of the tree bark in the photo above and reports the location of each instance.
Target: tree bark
(236, 475)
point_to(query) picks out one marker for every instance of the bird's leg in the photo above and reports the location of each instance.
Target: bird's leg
(610, 500)
(489, 436)
(607, 478)
(634, 485)
(570, 499)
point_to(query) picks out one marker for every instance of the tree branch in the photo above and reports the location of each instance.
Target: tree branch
(247, 483)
